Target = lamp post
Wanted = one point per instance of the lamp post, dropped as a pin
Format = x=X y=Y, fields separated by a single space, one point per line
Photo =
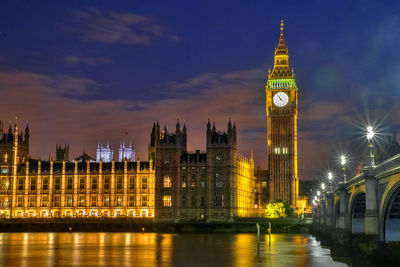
x=370 y=136
x=343 y=163
x=330 y=177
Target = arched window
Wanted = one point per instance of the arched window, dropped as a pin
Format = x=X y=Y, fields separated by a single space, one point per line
x=167 y=181
x=219 y=181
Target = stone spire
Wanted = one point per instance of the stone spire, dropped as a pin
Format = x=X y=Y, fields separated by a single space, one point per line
x=281 y=49
x=178 y=126
x=281 y=62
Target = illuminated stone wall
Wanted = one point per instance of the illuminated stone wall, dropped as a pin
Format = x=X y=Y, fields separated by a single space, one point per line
x=245 y=187
x=212 y=185
x=215 y=185
x=282 y=111
x=50 y=189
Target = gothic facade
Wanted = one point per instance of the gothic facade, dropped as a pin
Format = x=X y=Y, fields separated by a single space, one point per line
x=217 y=184
x=173 y=184
x=282 y=110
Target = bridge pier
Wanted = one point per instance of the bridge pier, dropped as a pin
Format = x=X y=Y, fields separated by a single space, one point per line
x=315 y=214
x=319 y=214
x=371 y=219
x=342 y=220
x=323 y=211
x=329 y=210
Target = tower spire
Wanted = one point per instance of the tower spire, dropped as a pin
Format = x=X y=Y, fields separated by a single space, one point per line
x=281 y=63
x=282 y=127
x=281 y=49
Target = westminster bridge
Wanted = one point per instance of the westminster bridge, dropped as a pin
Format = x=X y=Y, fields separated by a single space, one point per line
x=368 y=203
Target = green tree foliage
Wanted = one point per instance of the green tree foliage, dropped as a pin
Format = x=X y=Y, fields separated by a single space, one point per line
x=278 y=209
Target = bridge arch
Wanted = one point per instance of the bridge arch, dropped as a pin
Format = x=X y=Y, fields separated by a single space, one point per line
x=390 y=213
x=357 y=210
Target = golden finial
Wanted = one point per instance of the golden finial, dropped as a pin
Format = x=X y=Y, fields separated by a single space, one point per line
x=282 y=24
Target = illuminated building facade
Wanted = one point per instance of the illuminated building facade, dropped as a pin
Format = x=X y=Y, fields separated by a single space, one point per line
x=215 y=185
x=281 y=108
x=126 y=152
x=104 y=153
x=8 y=141
x=33 y=188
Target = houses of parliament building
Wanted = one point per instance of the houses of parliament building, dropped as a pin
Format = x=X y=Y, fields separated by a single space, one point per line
x=173 y=184
x=217 y=184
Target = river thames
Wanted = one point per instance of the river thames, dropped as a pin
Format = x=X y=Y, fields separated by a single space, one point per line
x=151 y=249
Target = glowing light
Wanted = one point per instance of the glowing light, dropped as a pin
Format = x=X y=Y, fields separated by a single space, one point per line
x=330 y=176
x=323 y=186
x=318 y=193
x=126 y=151
x=282 y=83
x=370 y=132
x=342 y=160
x=104 y=153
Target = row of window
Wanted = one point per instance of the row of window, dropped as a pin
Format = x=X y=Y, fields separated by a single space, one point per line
x=94 y=201
x=280 y=150
x=94 y=183
x=219 y=201
x=219 y=181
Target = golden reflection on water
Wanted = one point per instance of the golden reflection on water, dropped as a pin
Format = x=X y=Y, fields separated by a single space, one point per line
x=150 y=249
x=285 y=250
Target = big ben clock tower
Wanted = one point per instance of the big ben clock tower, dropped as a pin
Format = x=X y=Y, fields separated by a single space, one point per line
x=281 y=106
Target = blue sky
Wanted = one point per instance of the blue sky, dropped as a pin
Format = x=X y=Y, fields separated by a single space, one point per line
x=84 y=71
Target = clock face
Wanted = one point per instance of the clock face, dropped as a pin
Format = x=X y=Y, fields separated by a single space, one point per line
x=281 y=99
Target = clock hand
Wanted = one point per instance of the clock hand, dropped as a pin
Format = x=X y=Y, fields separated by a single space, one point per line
x=279 y=98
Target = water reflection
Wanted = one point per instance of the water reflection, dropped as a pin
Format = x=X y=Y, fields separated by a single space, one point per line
x=134 y=249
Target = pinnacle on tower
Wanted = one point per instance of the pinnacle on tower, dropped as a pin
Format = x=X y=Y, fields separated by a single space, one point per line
x=184 y=128
x=281 y=49
x=178 y=126
x=281 y=63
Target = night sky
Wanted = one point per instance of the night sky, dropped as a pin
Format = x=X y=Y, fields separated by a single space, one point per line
x=87 y=71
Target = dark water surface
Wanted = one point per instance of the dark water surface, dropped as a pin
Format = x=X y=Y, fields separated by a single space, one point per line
x=134 y=249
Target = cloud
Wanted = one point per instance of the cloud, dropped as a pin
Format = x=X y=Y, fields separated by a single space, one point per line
x=57 y=117
x=88 y=61
x=123 y=28
x=322 y=119
x=23 y=84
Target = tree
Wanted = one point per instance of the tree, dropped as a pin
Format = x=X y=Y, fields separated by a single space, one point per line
x=278 y=209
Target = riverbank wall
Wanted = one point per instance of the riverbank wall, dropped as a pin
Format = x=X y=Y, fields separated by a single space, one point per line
x=364 y=250
x=134 y=225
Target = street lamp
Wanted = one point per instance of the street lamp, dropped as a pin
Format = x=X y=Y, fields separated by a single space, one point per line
x=370 y=136
x=343 y=163
x=330 y=178
x=318 y=193
x=323 y=187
